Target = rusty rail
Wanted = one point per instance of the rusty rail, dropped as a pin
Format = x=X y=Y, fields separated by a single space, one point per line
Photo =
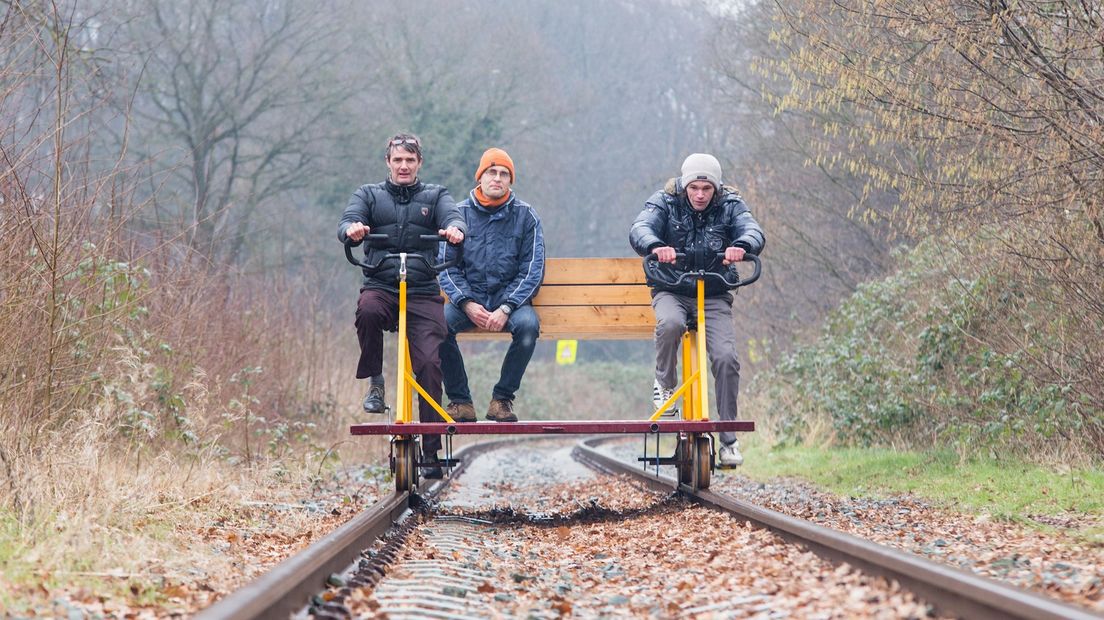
x=288 y=587
x=949 y=590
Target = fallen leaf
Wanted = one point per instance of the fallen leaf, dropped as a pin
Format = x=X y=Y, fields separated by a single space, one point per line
x=175 y=591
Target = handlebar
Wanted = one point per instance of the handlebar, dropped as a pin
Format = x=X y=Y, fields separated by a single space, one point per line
x=372 y=269
x=651 y=264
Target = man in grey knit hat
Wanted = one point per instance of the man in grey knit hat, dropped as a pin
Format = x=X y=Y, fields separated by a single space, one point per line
x=697 y=213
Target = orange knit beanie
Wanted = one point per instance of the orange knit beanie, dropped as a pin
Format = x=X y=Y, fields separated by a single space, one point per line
x=495 y=157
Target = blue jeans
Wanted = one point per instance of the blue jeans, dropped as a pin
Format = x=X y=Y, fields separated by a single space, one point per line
x=522 y=324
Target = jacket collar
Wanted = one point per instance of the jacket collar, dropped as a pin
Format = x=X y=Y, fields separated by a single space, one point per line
x=482 y=209
x=403 y=193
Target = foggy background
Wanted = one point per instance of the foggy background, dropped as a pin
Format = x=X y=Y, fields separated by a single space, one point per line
x=253 y=121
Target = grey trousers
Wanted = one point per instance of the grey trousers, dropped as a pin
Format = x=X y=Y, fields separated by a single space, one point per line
x=671 y=312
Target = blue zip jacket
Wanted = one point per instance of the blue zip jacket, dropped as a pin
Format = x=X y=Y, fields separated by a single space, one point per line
x=503 y=258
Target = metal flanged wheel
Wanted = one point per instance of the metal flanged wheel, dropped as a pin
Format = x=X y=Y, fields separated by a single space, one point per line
x=684 y=456
x=406 y=476
x=703 y=462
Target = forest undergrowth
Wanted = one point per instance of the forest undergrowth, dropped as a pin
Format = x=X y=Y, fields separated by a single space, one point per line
x=962 y=348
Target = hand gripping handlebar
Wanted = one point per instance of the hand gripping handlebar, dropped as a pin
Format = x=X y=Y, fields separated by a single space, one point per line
x=651 y=267
x=372 y=269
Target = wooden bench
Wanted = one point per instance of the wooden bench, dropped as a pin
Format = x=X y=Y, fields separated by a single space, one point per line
x=591 y=298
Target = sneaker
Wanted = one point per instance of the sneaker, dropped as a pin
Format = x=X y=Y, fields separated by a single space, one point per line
x=373 y=400
x=461 y=412
x=729 y=456
x=501 y=410
x=433 y=471
x=661 y=395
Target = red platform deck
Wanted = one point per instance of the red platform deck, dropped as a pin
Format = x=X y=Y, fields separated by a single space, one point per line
x=544 y=427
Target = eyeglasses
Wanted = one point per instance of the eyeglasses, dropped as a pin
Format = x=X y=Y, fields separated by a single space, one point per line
x=498 y=174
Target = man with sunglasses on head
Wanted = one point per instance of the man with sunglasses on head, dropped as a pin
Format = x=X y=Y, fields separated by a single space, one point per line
x=492 y=286
x=696 y=214
x=404 y=208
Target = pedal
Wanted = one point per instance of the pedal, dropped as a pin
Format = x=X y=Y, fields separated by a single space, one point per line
x=450 y=463
x=663 y=460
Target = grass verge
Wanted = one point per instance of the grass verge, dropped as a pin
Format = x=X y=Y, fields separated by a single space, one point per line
x=1008 y=489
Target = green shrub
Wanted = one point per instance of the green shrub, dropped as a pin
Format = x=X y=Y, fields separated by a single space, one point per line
x=948 y=351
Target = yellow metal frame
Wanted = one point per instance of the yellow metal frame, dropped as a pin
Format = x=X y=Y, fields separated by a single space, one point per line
x=694 y=388
x=407 y=384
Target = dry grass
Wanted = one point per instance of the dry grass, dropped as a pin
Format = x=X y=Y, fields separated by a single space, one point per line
x=150 y=538
x=161 y=418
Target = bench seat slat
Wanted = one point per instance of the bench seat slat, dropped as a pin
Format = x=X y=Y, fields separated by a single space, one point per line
x=597 y=319
x=590 y=294
x=593 y=271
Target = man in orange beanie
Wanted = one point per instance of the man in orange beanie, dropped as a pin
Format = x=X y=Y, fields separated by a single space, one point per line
x=493 y=285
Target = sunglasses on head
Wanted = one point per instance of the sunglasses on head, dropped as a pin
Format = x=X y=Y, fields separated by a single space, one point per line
x=402 y=141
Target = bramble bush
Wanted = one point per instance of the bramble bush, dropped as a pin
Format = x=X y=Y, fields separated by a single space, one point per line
x=108 y=355
x=958 y=351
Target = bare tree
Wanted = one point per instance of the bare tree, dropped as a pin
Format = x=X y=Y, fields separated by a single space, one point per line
x=826 y=234
x=232 y=99
x=54 y=300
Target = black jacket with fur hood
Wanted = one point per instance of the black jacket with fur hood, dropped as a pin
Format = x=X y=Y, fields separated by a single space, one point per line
x=668 y=220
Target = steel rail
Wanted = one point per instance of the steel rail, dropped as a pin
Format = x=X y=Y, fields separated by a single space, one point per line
x=288 y=587
x=948 y=589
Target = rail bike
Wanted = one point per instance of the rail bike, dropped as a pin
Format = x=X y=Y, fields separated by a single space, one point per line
x=584 y=298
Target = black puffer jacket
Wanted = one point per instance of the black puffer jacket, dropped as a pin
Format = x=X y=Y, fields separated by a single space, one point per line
x=669 y=220
x=403 y=212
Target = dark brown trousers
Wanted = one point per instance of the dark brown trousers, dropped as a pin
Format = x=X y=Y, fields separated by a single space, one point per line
x=425 y=328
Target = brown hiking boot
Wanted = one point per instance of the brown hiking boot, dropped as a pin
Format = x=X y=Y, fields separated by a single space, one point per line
x=461 y=412
x=501 y=411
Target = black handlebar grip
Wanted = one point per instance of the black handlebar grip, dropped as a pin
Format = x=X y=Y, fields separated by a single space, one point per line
x=349 y=244
x=651 y=260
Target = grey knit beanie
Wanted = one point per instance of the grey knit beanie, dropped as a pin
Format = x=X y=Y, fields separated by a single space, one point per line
x=701 y=167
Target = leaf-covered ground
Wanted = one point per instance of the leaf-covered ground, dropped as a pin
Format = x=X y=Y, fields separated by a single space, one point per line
x=540 y=540
x=1057 y=560
x=629 y=552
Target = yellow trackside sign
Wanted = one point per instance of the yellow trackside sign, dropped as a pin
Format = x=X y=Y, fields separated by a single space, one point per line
x=565 y=351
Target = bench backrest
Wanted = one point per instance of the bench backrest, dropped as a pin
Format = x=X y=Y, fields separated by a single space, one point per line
x=592 y=299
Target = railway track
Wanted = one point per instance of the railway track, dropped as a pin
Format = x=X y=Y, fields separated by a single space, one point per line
x=450 y=577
